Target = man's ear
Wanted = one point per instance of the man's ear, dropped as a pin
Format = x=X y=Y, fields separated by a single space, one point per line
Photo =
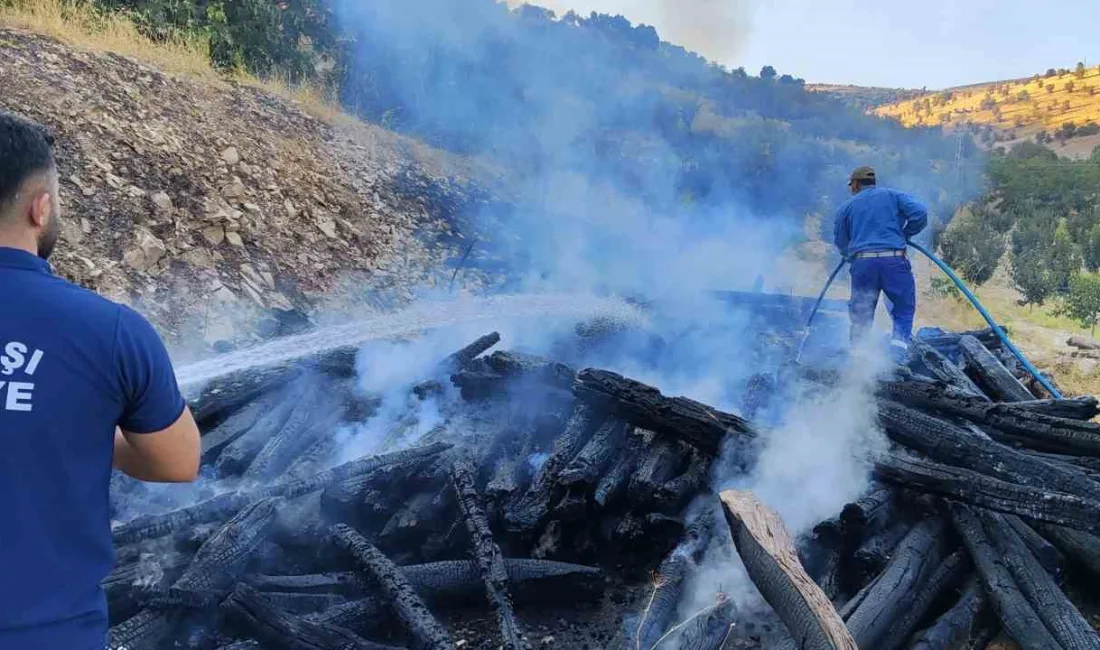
x=41 y=209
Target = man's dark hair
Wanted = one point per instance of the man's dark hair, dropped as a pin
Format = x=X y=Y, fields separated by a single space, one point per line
x=866 y=183
x=26 y=148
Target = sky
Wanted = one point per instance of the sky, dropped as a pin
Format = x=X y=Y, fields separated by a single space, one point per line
x=911 y=44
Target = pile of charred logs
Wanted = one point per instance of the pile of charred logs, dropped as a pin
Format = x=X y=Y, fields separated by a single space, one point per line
x=541 y=485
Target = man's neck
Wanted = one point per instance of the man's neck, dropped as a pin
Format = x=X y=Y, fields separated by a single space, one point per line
x=23 y=243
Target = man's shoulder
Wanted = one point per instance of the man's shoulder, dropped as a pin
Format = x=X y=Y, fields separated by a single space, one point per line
x=76 y=298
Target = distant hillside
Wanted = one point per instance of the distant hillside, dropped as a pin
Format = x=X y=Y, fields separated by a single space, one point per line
x=1060 y=108
x=864 y=97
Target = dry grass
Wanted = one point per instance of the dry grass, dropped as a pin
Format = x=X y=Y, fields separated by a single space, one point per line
x=1007 y=111
x=79 y=24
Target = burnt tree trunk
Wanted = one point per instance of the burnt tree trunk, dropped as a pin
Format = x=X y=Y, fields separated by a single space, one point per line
x=978 y=489
x=1015 y=612
x=944 y=370
x=953 y=629
x=488 y=557
x=644 y=406
x=945 y=578
x=1080 y=546
x=772 y=562
x=425 y=632
x=991 y=373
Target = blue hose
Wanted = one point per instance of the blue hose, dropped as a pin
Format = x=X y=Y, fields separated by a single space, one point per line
x=989 y=319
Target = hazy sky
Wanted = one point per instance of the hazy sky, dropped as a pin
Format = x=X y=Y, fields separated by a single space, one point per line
x=916 y=43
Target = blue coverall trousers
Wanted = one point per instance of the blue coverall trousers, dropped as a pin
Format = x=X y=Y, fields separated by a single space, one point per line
x=892 y=276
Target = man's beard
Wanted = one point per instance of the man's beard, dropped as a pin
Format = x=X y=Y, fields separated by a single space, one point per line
x=48 y=239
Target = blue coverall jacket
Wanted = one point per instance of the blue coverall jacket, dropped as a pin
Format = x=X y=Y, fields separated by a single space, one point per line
x=880 y=219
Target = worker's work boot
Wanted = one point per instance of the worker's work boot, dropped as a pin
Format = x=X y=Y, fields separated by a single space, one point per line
x=899 y=351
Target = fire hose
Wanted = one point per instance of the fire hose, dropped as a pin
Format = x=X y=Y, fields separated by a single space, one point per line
x=1031 y=369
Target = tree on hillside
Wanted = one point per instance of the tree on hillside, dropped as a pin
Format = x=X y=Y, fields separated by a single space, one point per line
x=1030 y=277
x=1070 y=86
x=1023 y=96
x=972 y=246
x=988 y=104
x=767 y=73
x=1080 y=70
x=1092 y=249
x=1051 y=72
x=1064 y=258
x=1082 y=301
x=1050 y=89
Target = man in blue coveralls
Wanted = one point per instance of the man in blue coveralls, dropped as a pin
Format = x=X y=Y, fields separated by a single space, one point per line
x=871 y=231
x=84 y=383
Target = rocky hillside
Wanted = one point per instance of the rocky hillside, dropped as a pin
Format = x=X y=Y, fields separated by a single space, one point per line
x=198 y=201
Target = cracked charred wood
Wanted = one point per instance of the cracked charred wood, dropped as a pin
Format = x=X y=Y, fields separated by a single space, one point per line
x=277 y=628
x=944 y=370
x=948 y=444
x=589 y=464
x=869 y=513
x=283 y=448
x=425 y=514
x=1062 y=619
x=487 y=556
x=363 y=498
x=981 y=490
x=1004 y=422
x=1045 y=553
x=1079 y=546
x=152 y=526
x=660 y=462
x=459 y=359
x=425 y=632
x=303 y=604
x=772 y=563
x=668 y=585
x=228 y=393
x=826 y=555
x=527 y=367
x=224 y=557
x=678 y=417
x=312 y=459
x=232 y=428
x=676 y=492
x=1090 y=466
x=613 y=484
x=1013 y=609
x=1074 y=408
x=124 y=585
x=991 y=374
x=147 y=630
x=361 y=616
x=525 y=514
x=321 y=480
x=954 y=628
x=476 y=385
x=342 y=583
x=895 y=591
x=871 y=557
x=242 y=645
x=945 y=578
x=236 y=456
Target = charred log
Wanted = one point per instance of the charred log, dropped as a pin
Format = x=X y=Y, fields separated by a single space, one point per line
x=645 y=406
x=676 y=492
x=531 y=509
x=945 y=443
x=867 y=514
x=757 y=395
x=459 y=359
x=990 y=373
x=660 y=462
x=587 y=466
x=1089 y=465
x=1044 y=552
x=1064 y=622
x=1080 y=546
x=613 y=484
x=894 y=593
x=303 y=604
x=771 y=561
x=945 y=578
x=1075 y=408
x=1015 y=612
x=531 y=368
x=487 y=556
x=872 y=556
x=952 y=630
x=144 y=631
x=944 y=370
x=236 y=456
x=152 y=526
x=279 y=629
x=978 y=489
x=232 y=428
x=282 y=449
x=424 y=631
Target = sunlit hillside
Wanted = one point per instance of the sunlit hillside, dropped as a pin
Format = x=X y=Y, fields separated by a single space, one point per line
x=1059 y=107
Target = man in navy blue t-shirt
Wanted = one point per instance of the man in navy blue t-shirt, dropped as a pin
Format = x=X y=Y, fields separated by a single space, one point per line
x=85 y=384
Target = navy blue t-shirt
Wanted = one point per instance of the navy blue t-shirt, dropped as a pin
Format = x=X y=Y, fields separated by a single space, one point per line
x=73 y=365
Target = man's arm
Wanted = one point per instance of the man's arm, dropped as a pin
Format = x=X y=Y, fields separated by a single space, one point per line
x=841 y=236
x=168 y=456
x=914 y=212
x=157 y=439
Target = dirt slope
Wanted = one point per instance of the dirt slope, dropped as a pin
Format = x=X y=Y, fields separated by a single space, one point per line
x=190 y=198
